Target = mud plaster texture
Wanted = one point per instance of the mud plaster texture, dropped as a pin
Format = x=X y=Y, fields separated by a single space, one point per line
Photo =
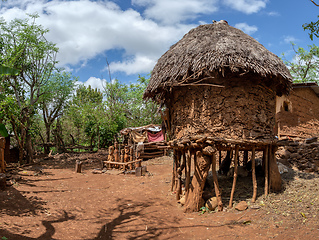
x=240 y=110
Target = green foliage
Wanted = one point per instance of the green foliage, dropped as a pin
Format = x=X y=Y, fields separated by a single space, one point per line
x=305 y=65
x=24 y=47
x=313 y=27
x=3 y=130
x=8 y=71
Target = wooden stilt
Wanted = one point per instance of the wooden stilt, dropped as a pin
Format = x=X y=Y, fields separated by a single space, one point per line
x=187 y=172
x=235 y=177
x=195 y=201
x=216 y=185
x=275 y=182
x=174 y=171
x=245 y=158
x=179 y=177
x=266 y=153
x=253 y=165
x=220 y=159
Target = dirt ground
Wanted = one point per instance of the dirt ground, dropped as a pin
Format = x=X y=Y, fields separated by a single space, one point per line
x=50 y=201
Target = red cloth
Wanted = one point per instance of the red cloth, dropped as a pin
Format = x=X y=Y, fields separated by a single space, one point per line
x=155 y=137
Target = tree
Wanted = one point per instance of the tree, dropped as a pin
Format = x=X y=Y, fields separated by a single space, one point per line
x=57 y=93
x=305 y=65
x=141 y=112
x=313 y=27
x=23 y=46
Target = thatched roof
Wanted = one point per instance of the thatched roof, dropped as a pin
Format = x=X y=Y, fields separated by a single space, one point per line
x=216 y=48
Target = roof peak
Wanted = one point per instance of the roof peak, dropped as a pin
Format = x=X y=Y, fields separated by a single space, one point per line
x=221 y=21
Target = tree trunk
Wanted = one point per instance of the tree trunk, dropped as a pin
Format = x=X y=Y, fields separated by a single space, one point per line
x=29 y=148
x=194 y=199
x=47 y=131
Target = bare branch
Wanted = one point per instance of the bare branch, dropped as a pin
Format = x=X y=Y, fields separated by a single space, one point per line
x=314 y=3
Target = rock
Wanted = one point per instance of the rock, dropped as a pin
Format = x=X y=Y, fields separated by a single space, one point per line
x=282 y=168
x=241 y=172
x=311 y=140
x=211 y=203
x=241 y=206
x=182 y=200
x=96 y=171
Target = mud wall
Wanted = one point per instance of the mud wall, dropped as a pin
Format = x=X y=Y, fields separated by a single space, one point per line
x=239 y=110
x=303 y=106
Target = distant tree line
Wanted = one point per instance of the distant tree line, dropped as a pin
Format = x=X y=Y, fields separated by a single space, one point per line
x=44 y=107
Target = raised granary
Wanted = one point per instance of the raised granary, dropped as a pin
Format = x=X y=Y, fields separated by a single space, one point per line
x=218 y=86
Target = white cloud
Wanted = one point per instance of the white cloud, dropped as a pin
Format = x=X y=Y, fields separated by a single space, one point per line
x=290 y=39
x=273 y=14
x=95 y=83
x=246 y=28
x=132 y=66
x=84 y=29
x=176 y=11
x=246 y=6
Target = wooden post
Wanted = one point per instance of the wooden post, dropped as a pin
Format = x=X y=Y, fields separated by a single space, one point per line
x=178 y=176
x=253 y=165
x=173 y=170
x=202 y=166
x=216 y=186
x=234 y=178
x=266 y=153
x=187 y=172
x=274 y=175
x=78 y=166
x=245 y=158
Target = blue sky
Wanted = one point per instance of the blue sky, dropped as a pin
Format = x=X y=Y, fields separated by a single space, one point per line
x=133 y=34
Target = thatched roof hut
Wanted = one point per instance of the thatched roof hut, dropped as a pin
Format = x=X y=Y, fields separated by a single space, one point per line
x=216 y=49
x=219 y=87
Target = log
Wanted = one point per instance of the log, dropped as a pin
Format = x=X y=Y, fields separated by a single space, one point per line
x=266 y=151
x=253 y=165
x=216 y=185
x=202 y=165
x=234 y=178
x=78 y=166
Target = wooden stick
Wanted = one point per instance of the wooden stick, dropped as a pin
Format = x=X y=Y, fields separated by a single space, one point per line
x=253 y=165
x=235 y=177
x=216 y=185
x=187 y=172
x=266 y=152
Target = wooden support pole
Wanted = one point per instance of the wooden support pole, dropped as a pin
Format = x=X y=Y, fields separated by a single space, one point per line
x=178 y=176
x=187 y=172
x=253 y=165
x=202 y=165
x=220 y=159
x=274 y=175
x=266 y=153
x=234 y=178
x=174 y=171
x=216 y=185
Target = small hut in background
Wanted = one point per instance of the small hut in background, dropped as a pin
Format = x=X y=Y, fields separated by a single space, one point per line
x=219 y=88
x=150 y=140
